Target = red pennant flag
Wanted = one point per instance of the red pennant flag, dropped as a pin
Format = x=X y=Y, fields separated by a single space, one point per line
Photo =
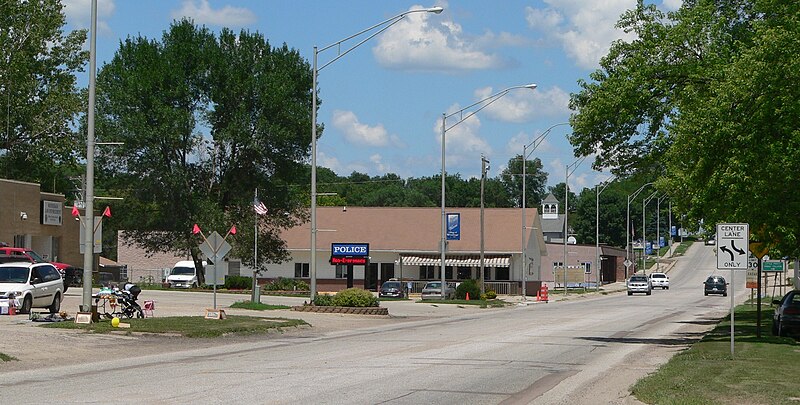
x=107 y=212
x=75 y=212
x=195 y=229
x=233 y=230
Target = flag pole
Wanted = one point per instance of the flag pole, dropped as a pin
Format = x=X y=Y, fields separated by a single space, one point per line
x=255 y=248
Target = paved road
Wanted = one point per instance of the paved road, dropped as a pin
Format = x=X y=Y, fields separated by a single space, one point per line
x=580 y=350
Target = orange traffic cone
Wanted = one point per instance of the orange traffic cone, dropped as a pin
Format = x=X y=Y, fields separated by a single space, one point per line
x=12 y=309
x=467 y=296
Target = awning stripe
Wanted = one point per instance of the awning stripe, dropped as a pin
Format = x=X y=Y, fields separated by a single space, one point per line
x=464 y=261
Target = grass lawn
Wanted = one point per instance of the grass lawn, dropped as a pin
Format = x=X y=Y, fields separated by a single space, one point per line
x=763 y=370
x=189 y=326
x=257 y=306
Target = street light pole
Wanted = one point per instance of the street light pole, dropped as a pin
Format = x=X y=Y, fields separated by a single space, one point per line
x=574 y=165
x=536 y=142
x=598 y=189
x=658 y=228
x=380 y=27
x=88 y=225
x=484 y=169
x=481 y=104
x=628 y=226
x=644 y=231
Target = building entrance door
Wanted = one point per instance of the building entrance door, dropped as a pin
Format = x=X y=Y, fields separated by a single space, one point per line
x=371 y=277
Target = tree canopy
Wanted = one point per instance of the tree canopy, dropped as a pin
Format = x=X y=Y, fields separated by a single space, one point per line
x=205 y=120
x=39 y=97
x=704 y=101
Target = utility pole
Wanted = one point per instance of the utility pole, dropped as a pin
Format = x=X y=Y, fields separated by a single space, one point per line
x=484 y=169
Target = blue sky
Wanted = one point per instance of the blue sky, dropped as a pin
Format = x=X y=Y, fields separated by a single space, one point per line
x=382 y=103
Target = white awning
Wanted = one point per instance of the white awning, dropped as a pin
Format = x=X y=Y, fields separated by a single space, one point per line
x=462 y=261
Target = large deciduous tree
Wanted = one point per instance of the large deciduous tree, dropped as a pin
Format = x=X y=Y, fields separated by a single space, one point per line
x=39 y=98
x=705 y=99
x=205 y=120
x=535 y=181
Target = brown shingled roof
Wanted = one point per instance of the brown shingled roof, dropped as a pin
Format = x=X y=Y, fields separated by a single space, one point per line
x=413 y=229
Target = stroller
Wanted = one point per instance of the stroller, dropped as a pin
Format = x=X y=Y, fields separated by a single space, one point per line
x=123 y=302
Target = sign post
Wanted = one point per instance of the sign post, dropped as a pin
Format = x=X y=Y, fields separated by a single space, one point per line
x=733 y=241
x=215 y=247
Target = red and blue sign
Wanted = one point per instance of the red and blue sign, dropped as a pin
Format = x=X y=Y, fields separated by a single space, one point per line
x=349 y=253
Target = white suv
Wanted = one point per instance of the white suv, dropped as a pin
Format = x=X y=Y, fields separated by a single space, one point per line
x=659 y=280
x=32 y=285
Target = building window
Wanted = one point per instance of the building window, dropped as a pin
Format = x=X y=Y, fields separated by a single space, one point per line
x=426 y=272
x=587 y=267
x=464 y=273
x=501 y=273
x=448 y=272
x=387 y=271
x=557 y=265
x=341 y=271
x=301 y=270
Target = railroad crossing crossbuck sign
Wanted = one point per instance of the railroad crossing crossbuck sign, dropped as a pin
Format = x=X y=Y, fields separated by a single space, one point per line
x=733 y=241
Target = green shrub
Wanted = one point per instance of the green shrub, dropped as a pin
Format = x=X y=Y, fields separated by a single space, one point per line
x=238 y=282
x=468 y=286
x=491 y=294
x=286 y=284
x=355 y=297
x=323 y=300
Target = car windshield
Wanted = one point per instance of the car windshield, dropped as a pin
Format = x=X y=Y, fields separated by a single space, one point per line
x=434 y=285
x=659 y=276
x=182 y=271
x=35 y=256
x=715 y=280
x=391 y=284
x=14 y=274
x=638 y=279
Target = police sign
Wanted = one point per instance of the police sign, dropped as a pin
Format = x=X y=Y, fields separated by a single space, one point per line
x=350 y=249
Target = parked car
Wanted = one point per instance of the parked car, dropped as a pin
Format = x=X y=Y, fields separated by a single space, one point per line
x=710 y=241
x=639 y=283
x=659 y=280
x=183 y=275
x=31 y=285
x=715 y=285
x=786 y=319
x=27 y=255
x=433 y=291
x=391 y=289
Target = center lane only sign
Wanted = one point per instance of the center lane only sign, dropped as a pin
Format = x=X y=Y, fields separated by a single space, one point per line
x=732 y=246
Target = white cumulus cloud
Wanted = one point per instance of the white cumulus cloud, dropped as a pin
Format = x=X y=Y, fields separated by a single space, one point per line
x=79 y=14
x=523 y=105
x=585 y=30
x=361 y=134
x=201 y=12
x=463 y=143
x=426 y=41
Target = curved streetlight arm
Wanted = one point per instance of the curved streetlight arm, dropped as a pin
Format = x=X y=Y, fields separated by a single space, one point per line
x=385 y=24
x=539 y=139
x=486 y=102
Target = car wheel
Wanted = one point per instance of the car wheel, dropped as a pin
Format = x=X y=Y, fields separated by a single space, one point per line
x=724 y=294
x=706 y=293
x=27 y=303
x=781 y=332
x=648 y=292
x=630 y=293
x=775 y=331
x=66 y=286
x=56 y=305
x=194 y=285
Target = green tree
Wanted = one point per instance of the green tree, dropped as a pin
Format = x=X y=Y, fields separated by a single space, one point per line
x=704 y=100
x=39 y=97
x=535 y=181
x=205 y=121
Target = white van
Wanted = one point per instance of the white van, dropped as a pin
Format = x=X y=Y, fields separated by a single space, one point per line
x=183 y=275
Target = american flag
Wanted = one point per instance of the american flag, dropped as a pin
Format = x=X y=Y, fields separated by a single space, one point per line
x=259 y=207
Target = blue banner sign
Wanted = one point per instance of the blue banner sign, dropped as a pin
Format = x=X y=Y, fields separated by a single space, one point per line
x=648 y=248
x=453 y=226
x=662 y=242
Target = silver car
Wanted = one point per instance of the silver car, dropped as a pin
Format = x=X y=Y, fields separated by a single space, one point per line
x=639 y=283
x=433 y=291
